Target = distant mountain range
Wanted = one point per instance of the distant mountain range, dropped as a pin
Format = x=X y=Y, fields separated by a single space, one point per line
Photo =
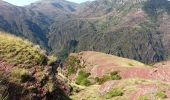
x=136 y=29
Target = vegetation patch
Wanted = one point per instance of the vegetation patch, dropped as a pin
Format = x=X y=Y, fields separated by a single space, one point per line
x=20 y=75
x=103 y=79
x=114 y=93
x=161 y=94
x=20 y=52
x=82 y=79
x=52 y=59
x=73 y=64
x=143 y=98
x=113 y=76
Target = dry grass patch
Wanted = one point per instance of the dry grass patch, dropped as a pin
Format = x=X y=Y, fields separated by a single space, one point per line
x=20 y=52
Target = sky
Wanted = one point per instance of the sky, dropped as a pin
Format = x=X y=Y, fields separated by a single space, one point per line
x=26 y=2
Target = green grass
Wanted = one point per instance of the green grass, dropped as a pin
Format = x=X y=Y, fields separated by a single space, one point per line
x=26 y=64
x=114 y=93
x=20 y=52
x=103 y=79
x=73 y=64
x=82 y=79
x=161 y=94
x=113 y=76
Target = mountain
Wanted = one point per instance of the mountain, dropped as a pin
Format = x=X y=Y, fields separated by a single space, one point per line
x=32 y=22
x=24 y=22
x=120 y=27
x=135 y=29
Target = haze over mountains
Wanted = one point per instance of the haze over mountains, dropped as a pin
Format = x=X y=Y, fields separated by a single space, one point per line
x=136 y=29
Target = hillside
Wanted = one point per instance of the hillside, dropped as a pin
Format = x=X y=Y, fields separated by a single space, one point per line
x=135 y=29
x=24 y=22
x=106 y=49
x=124 y=28
x=26 y=72
x=33 y=22
x=101 y=76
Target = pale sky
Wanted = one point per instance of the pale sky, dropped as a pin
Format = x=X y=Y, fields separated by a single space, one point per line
x=26 y=2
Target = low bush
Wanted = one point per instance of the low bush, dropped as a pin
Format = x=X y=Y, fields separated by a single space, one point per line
x=82 y=79
x=102 y=80
x=20 y=75
x=161 y=94
x=73 y=64
x=113 y=76
x=51 y=59
x=115 y=92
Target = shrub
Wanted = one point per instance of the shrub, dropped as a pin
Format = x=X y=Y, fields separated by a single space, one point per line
x=161 y=94
x=82 y=78
x=115 y=92
x=20 y=74
x=115 y=76
x=71 y=70
x=25 y=77
x=103 y=79
x=72 y=65
x=51 y=59
x=51 y=86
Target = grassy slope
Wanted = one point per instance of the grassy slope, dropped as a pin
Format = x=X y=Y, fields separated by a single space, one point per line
x=20 y=52
x=25 y=68
x=102 y=58
x=134 y=88
x=131 y=89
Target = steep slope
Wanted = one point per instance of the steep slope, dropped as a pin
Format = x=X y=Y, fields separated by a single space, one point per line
x=120 y=27
x=24 y=22
x=101 y=76
x=33 y=21
x=25 y=73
